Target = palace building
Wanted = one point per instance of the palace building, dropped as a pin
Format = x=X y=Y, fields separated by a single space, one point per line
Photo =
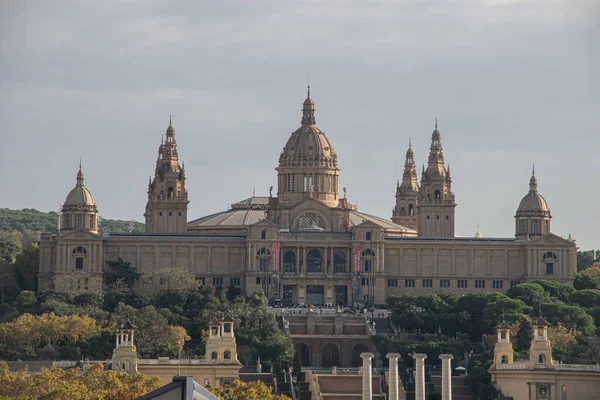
x=307 y=243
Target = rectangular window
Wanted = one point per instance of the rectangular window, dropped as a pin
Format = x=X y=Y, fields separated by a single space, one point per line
x=367 y=265
x=234 y=281
x=427 y=282
x=497 y=284
x=201 y=279
x=217 y=281
x=79 y=263
x=79 y=221
x=409 y=283
x=258 y=280
x=514 y=283
x=364 y=281
x=480 y=284
x=392 y=282
x=462 y=283
x=444 y=283
x=549 y=269
x=339 y=268
x=180 y=213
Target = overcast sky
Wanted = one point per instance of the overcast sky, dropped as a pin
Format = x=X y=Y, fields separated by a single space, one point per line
x=513 y=83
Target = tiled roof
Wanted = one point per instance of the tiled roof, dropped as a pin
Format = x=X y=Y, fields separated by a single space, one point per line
x=231 y=218
x=357 y=218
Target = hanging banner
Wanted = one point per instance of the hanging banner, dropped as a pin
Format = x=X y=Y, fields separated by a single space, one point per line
x=357 y=257
x=275 y=252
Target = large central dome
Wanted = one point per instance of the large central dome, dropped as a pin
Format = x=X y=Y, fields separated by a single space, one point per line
x=308 y=145
x=308 y=166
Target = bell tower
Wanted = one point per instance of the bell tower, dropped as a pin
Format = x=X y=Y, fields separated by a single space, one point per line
x=166 y=209
x=503 y=351
x=124 y=357
x=540 y=351
x=407 y=193
x=436 y=200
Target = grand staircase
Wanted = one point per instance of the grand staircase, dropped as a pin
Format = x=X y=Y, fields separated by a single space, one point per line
x=346 y=387
x=460 y=390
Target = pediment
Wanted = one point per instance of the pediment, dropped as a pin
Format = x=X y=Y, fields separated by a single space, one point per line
x=550 y=239
x=367 y=225
x=79 y=234
x=311 y=204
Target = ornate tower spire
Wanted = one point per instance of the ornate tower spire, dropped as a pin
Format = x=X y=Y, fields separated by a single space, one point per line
x=166 y=209
x=308 y=110
x=405 y=211
x=533 y=182
x=436 y=200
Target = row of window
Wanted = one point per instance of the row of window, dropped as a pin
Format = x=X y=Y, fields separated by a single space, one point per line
x=310 y=182
x=438 y=217
x=170 y=213
x=445 y=283
x=218 y=281
x=535 y=227
x=78 y=221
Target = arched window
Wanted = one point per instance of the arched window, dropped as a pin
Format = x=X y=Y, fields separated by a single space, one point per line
x=368 y=236
x=227 y=355
x=368 y=256
x=263 y=235
x=437 y=195
x=314 y=261
x=310 y=221
x=339 y=262
x=428 y=197
x=411 y=209
x=213 y=355
x=542 y=359
x=504 y=360
x=263 y=256
x=170 y=192
x=289 y=261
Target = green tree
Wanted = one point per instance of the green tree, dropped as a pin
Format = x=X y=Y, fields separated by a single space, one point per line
x=27 y=265
x=154 y=335
x=586 y=258
x=586 y=298
x=531 y=294
x=122 y=272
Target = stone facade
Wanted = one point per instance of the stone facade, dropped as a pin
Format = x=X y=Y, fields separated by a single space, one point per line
x=308 y=243
x=540 y=377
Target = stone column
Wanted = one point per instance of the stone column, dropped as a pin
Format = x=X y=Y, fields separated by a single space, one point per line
x=419 y=375
x=367 y=381
x=393 y=376
x=446 y=376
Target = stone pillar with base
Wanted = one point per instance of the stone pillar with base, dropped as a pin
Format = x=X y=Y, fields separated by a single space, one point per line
x=393 y=376
x=419 y=375
x=446 y=376
x=367 y=381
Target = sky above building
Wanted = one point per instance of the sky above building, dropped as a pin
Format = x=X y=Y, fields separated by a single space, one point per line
x=513 y=83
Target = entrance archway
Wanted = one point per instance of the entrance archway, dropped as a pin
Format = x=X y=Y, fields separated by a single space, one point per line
x=330 y=356
x=356 y=351
x=303 y=353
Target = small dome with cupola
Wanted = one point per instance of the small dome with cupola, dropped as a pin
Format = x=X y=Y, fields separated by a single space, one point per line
x=79 y=209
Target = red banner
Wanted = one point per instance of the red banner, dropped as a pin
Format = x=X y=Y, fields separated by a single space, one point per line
x=357 y=257
x=275 y=252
